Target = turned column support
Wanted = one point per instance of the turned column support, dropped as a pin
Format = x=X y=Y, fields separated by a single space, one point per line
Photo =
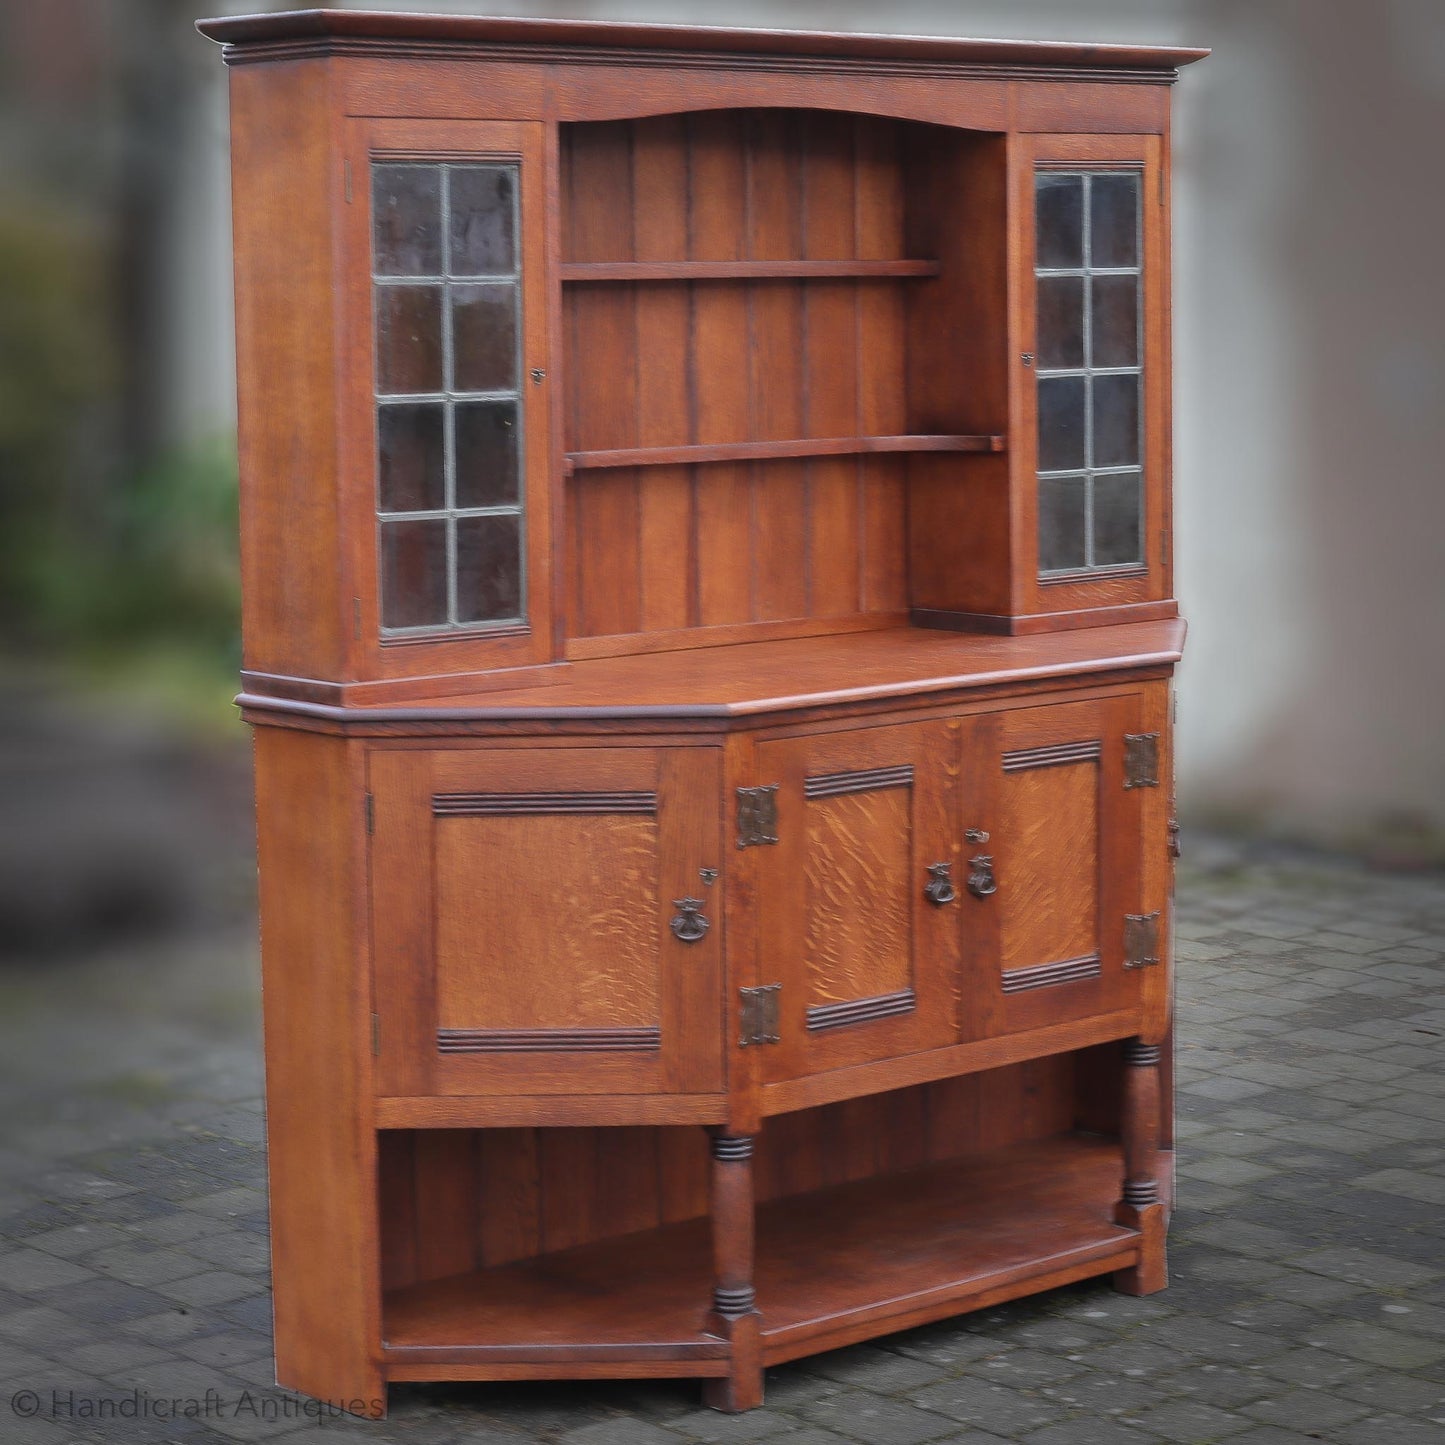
x=734 y=1314
x=1140 y=1205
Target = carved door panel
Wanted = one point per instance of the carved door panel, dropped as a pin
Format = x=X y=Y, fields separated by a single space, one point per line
x=865 y=960
x=1052 y=867
x=541 y=922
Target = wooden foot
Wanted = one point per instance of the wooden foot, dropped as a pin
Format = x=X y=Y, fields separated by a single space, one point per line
x=1141 y=1206
x=742 y=1387
x=734 y=1316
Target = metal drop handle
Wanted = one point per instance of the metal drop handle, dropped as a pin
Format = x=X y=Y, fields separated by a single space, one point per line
x=939 y=889
x=981 y=881
x=689 y=923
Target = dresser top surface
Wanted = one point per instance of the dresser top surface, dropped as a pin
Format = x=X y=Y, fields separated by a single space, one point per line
x=788 y=676
x=382 y=26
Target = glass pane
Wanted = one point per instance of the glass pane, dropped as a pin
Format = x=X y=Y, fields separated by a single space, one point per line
x=486 y=453
x=411 y=458
x=1116 y=421
x=484 y=337
x=408 y=339
x=1061 y=523
x=406 y=220
x=1114 y=220
x=413 y=573
x=489 y=568
x=1114 y=326
x=1117 y=531
x=482 y=226
x=1061 y=423
x=1061 y=322
x=1059 y=217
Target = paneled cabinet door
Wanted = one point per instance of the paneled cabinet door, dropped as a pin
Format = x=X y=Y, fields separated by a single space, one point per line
x=541 y=922
x=858 y=907
x=1052 y=866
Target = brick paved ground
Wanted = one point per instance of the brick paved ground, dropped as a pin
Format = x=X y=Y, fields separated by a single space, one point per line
x=1308 y=1300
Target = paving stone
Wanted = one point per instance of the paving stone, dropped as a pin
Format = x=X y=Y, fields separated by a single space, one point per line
x=1190 y=1421
x=1358 y=1266
x=1378 y=1345
x=988 y=1406
x=876 y=1420
x=875 y=1369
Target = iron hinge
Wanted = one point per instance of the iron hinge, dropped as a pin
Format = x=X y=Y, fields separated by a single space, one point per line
x=346 y=173
x=370 y=814
x=1141 y=940
x=759 y=1024
x=376 y=1035
x=1141 y=760
x=757 y=816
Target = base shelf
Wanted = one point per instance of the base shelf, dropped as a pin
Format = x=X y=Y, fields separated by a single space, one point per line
x=833 y=1266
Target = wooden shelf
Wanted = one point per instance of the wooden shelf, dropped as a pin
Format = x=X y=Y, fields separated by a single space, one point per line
x=573 y=271
x=833 y=1266
x=778 y=450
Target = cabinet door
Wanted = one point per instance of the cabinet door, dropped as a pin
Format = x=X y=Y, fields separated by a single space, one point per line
x=865 y=962
x=1051 y=888
x=523 y=911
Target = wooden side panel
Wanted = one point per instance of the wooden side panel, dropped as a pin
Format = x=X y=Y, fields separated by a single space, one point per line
x=882 y=367
x=322 y=1150
x=959 y=541
x=287 y=330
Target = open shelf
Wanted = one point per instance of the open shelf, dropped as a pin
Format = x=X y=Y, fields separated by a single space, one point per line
x=778 y=450
x=833 y=1266
x=743 y=270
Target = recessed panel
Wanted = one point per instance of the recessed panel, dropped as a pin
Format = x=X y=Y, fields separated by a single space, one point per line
x=859 y=895
x=1047 y=862
x=547 y=922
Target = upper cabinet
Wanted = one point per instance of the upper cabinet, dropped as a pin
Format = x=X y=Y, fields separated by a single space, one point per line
x=576 y=352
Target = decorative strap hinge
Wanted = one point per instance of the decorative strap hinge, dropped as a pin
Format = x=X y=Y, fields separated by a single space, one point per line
x=370 y=813
x=757 y=816
x=759 y=1014
x=1141 y=940
x=1141 y=760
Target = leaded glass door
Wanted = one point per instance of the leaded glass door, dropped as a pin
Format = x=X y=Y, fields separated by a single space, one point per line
x=448 y=358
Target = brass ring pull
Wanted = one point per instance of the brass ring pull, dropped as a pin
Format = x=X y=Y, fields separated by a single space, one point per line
x=689 y=923
x=939 y=889
x=981 y=881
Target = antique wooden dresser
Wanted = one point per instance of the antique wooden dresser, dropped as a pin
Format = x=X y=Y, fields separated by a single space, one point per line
x=708 y=629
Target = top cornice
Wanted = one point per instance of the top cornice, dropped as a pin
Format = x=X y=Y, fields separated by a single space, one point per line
x=290 y=33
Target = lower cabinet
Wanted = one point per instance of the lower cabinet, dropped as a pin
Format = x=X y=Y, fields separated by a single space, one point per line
x=853 y=953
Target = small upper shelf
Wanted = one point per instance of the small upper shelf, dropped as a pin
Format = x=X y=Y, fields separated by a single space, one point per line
x=778 y=450
x=742 y=270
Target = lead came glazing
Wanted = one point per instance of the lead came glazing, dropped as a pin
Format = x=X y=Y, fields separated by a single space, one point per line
x=1090 y=382
x=448 y=395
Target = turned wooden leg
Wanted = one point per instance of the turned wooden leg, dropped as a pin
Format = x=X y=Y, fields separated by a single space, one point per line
x=1142 y=1207
x=734 y=1314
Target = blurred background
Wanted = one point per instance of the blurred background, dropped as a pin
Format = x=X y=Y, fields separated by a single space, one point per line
x=1310 y=432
